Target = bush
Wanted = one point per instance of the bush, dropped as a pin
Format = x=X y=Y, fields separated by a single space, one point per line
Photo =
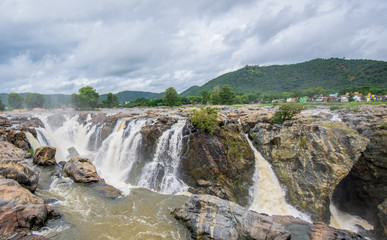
x=205 y=119
x=286 y=112
x=383 y=125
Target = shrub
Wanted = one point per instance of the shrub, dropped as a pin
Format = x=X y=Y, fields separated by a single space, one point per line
x=383 y=125
x=205 y=119
x=286 y=112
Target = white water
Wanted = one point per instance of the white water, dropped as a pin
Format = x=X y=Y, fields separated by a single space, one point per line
x=118 y=152
x=268 y=195
x=165 y=162
x=347 y=221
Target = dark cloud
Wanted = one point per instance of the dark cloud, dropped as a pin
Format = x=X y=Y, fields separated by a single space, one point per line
x=59 y=46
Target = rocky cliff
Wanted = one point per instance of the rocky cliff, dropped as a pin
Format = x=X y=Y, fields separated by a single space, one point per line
x=220 y=164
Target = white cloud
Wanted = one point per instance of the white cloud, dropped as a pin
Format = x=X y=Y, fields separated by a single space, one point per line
x=59 y=46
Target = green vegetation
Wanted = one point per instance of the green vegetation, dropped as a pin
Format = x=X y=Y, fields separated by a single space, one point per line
x=383 y=125
x=303 y=142
x=171 y=97
x=226 y=96
x=34 y=100
x=286 y=112
x=2 y=105
x=333 y=74
x=86 y=99
x=15 y=101
x=205 y=119
x=111 y=101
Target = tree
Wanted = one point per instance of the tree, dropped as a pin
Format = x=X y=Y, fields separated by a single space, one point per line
x=171 y=97
x=2 y=106
x=34 y=100
x=15 y=101
x=205 y=96
x=226 y=95
x=111 y=101
x=86 y=99
x=205 y=119
x=287 y=111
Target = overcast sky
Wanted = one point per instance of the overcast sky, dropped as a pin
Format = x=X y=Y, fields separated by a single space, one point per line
x=55 y=46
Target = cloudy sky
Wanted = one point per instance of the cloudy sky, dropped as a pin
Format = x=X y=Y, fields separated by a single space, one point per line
x=58 y=46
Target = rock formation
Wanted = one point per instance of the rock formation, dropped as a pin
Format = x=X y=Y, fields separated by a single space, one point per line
x=220 y=164
x=209 y=217
x=45 y=156
x=82 y=170
x=21 y=211
x=310 y=157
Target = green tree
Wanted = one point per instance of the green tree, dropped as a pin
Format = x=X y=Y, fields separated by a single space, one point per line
x=2 y=106
x=226 y=95
x=34 y=100
x=111 y=101
x=15 y=101
x=171 y=97
x=205 y=96
x=286 y=112
x=86 y=99
x=205 y=119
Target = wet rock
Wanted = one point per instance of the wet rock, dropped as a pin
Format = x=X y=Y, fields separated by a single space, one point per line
x=32 y=123
x=209 y=217
x=151 y=133
x=20 y=172
x=11 y=152
x=81 y=170
x=106 y=190
x=19 y=139
x=33 y=237
x=45 y=156
x=20 y=210
x=4 y=122
x=310 y=159
x=220 y=164
x=381 y=224
x=72 y=152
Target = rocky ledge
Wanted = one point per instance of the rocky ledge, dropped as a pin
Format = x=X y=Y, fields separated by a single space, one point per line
x=20 y=210
x=209 y=217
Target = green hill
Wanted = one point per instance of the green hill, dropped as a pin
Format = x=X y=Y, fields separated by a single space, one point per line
x=333 y=74
x=127 y=96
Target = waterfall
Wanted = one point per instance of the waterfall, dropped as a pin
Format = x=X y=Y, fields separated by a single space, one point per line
x=33 y=141
x=115 y=158
x=344 y=220
x=161 y=173
x=267 y=194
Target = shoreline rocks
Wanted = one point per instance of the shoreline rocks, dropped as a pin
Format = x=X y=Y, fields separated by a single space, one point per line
x=45 y=156
x=209 y=217
x=82 y=170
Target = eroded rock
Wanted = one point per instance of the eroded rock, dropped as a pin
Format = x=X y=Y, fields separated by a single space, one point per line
x=20 y=172
x=45 y=156
x=82 y=170
x=20 y=210
x=220 y=164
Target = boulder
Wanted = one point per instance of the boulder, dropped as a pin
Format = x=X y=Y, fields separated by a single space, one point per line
x=309 y=158
x=220 y=164
x=11 y=152
x=4 y=122
x=32 y=123
x=106 y=190
x=20 y=172
x=19 y=139
x=209 y=217
x=20 y=210
x=45 y=156
x=381 y=225
x=82 y=170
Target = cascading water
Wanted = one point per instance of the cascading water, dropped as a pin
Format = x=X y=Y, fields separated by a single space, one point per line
x=161 y=173
x=119 y=151
x=268 y=195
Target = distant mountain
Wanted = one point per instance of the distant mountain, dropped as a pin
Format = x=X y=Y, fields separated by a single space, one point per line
x=334 y=74
x=127 y=96
x=190 y=91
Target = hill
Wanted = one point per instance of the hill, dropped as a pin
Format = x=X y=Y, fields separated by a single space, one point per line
x=127 y=96
x=333 y=74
